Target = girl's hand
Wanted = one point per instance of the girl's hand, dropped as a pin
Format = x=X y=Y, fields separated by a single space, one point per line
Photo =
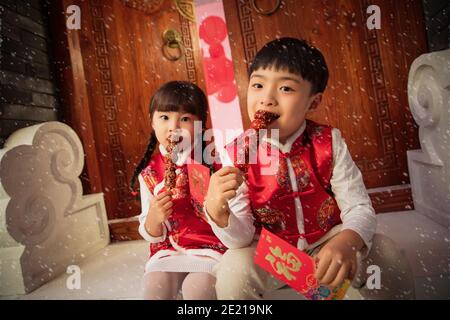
x=160 y=209
x=222 y=187
x=336 y=261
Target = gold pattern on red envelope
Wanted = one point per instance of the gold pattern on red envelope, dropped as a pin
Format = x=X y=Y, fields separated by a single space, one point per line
x=284 y=262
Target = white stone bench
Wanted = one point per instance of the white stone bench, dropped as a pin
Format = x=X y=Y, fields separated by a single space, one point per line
x=115 y=272
x=46 y=224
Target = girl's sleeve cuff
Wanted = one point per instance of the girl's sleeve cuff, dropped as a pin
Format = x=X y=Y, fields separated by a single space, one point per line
x=143 y=232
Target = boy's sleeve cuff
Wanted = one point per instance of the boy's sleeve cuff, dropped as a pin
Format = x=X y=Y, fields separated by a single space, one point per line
x=214 y=225
x=233 y=236
x=364 y=252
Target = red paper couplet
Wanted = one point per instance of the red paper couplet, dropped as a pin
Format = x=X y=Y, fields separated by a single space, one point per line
x=219 y=71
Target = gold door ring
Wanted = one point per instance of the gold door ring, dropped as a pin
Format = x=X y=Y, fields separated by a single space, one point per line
x=265 y=12
x=172 y=40
x=173 y=45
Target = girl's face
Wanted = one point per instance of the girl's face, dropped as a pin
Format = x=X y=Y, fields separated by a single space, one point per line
x=170 y=124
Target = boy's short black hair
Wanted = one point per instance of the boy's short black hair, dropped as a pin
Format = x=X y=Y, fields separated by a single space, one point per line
x=298 y=57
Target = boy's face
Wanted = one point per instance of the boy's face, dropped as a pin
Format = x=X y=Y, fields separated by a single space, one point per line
x=283 y=93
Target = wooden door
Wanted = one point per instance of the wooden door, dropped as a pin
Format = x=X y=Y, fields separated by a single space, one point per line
x=115 y=63
x=122 y=63
x=366 y=97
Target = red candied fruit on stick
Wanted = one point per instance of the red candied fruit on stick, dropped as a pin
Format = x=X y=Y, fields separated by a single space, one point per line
x=169 y=167
x=262 y=119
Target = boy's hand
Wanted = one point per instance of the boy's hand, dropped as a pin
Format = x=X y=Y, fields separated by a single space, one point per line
x=336 y=261
x=222 y=187
x=160 y=209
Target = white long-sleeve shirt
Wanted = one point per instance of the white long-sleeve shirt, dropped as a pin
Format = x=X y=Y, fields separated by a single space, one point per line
x=357 y=213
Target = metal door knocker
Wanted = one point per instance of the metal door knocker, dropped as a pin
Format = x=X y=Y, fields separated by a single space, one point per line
x=173 y=45
x=266 y=12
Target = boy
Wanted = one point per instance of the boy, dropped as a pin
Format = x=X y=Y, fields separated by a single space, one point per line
x=316 y=201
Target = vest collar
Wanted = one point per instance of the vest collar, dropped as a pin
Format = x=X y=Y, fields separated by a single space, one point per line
x=287 y=146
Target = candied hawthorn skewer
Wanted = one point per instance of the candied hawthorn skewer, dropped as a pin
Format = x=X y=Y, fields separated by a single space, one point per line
x=170 y=167
x=262 y=120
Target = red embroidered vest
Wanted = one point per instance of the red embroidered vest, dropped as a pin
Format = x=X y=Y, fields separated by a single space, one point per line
x=272 y=196
x=189 y=226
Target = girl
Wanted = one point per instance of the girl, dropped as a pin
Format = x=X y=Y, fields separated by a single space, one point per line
x=183 y=247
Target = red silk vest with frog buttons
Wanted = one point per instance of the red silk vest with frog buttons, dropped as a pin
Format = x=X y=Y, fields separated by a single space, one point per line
x=189 y=226
x=272 y=196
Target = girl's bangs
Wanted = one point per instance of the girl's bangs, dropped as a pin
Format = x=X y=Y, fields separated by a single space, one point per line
x=184 y=108
x=179 y=96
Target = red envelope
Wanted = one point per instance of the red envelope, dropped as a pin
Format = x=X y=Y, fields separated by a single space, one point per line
x=284 y=261
x=199 y=176
x=293 y=267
